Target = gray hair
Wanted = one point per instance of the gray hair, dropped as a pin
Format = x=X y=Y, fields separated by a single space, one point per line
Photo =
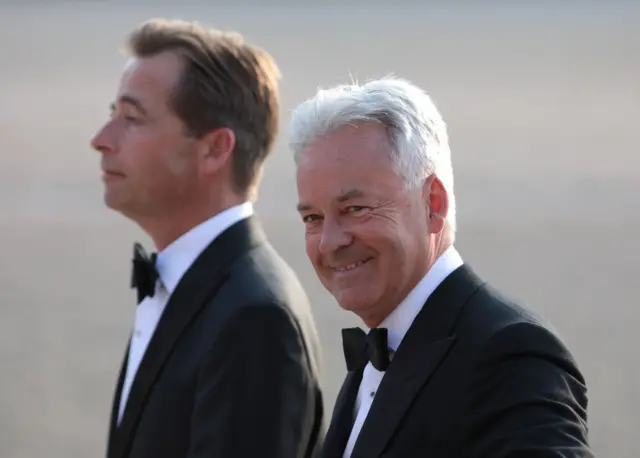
x=417 y=132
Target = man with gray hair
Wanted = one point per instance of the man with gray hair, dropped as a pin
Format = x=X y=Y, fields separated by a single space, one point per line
x=449 y=367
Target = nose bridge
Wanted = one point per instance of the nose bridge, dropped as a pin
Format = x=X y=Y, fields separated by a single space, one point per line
x=334 y=235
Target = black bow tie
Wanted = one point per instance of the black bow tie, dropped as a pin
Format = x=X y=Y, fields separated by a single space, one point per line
x=144 y=273
x=360 y=348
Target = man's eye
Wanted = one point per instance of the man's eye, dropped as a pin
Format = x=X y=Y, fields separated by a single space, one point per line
x=310 y=218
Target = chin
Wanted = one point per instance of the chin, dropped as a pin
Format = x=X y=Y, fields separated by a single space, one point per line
x=108 y=201
x=352 y=301
x=112 y=203
x=117 y=205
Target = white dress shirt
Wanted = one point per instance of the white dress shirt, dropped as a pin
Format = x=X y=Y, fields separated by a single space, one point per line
x=172 y=263
x=397 y=324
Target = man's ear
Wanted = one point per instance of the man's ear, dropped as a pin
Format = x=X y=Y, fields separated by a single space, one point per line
x=216 y=148
x=437 y=202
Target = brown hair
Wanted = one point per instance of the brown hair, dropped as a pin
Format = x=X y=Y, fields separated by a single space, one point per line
x=226 y=83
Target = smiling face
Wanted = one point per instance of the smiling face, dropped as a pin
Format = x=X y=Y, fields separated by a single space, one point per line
x=367 y=236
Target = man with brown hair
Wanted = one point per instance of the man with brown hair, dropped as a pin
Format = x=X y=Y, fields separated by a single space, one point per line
x=223 y=358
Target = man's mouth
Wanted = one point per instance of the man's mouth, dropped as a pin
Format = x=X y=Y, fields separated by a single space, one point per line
x=352 y=266
x=111 y=174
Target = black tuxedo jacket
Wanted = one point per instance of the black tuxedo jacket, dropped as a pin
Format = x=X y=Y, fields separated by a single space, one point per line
x=475 y=376
x=232 y=368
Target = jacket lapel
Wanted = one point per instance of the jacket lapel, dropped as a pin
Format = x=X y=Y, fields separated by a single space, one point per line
x=421 y=351
x=198 y=285
x=115 y=407
x=342 y=420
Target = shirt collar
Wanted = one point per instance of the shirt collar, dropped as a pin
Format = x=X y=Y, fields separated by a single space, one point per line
x=176 y=258
x=401 y=319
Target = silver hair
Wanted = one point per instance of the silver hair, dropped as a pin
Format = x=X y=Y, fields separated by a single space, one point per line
x=417 y=132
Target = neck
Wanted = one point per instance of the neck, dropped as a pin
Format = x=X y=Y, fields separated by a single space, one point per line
x=167 y=228
x=438 y=245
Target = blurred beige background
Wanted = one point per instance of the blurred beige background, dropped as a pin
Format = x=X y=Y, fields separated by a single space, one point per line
x=541 y=103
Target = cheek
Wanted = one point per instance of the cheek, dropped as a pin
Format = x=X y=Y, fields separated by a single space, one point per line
x=141 y=151
x=384 y=241
x=311 y=247
x=179 y=166
x=175 y=161
x=374 y=235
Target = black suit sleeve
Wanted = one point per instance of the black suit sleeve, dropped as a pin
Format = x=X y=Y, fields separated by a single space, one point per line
x=255 y=396
x=528 y=399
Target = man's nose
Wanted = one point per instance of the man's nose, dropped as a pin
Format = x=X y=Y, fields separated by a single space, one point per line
x=103 y=141
x=333 y=237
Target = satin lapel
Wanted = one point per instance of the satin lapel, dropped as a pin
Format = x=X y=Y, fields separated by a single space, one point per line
x=199 y=284
x=115 y=407
x=342 y=419
x=418 y=357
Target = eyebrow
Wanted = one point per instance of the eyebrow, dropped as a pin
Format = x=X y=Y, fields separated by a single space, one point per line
x=344 y=197
x=350 y=194
x=129 y=100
